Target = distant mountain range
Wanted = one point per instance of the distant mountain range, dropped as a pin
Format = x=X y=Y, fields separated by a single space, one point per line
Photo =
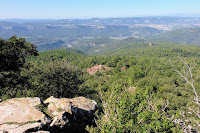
x=50 y=34
x=112 y=21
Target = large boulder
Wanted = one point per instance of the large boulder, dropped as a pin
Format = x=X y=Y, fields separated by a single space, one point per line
x=20 y=114
x=67 y=104
x=71 y=112
x=20 y=128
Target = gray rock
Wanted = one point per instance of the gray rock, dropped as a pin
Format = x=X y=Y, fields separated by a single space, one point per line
x=18 y=128
x=79 y=108
x=20 y=114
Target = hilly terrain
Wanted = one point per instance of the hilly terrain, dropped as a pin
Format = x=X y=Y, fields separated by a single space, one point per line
x=55 y=34
x=156 y=49
x=100 y=66
x=134 y=47
x=139 y=85
x=182 y=36
x=50 y=34
x=137 y=69
x=102 y=45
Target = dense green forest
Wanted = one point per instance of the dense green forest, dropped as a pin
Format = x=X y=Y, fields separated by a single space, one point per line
x=134 y=47
x=102 y=45
x=140 y=92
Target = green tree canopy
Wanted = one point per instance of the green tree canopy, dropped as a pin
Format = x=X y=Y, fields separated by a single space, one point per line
x=13 y=53
x=12 y=58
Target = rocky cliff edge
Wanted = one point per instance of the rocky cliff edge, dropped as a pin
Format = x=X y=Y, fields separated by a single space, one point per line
x=20 y=115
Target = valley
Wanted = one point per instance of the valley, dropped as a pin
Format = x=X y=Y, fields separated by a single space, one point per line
x=50 y=34
x=142 y=73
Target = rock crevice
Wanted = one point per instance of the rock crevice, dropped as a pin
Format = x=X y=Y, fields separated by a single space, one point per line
x=20 y=115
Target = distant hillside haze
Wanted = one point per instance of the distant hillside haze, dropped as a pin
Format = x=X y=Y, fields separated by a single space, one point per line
x=51 y=33
x=182 y=36
x=102 y=45
x=112 y=21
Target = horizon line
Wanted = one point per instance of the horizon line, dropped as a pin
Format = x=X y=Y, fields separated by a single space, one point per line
x=97 y=17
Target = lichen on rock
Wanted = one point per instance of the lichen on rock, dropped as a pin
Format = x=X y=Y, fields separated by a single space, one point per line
x=20 y=115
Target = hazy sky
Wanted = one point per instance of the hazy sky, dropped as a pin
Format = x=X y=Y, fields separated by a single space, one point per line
x=56 y=9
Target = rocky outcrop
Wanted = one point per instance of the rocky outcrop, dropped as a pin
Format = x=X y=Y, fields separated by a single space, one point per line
x=20 y=110
x=20 y=115
x=19 y=127
x=75 y=112
x=98 y=68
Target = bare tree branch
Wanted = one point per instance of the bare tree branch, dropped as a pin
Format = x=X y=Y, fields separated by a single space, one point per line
x=194 y=112
x=186 y=74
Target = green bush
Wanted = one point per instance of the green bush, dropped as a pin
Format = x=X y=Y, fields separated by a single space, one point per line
x=132 y=112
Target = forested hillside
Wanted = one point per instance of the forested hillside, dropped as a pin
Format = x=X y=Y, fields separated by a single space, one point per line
x=102 y=45
x=134 y=47
x=182 y=36
x=156 y=49
x=139 y=92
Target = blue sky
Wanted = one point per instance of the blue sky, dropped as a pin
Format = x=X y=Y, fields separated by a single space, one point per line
x=57 y=9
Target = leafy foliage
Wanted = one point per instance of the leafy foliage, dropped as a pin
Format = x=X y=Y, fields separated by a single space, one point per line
x=12 y=54
x=18 y=78
x=58 y=79
x=132 y=112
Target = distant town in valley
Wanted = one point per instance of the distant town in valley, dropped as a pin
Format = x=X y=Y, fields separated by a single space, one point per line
x=50 y=33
